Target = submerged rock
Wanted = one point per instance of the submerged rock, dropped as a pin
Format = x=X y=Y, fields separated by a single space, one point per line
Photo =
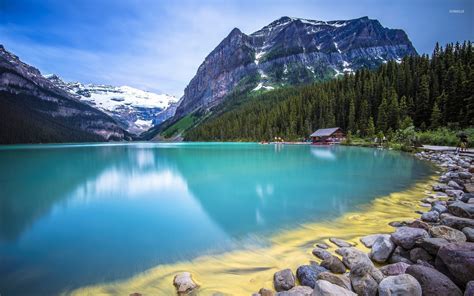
x=340 y=243
x=265 y=292
x=284 y=280
x=321 y=253
x=325 y=288
x=406 y=237
x=322 y=245
x=433 y=282
x=403 y=284
x=184 y=283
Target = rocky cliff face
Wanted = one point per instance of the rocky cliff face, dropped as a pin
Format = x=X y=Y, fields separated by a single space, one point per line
x=291 y=51
x=135 y=110
x=35 y=110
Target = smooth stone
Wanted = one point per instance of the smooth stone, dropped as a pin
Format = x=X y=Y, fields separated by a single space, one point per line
x=456 y=222
x=439 y=208
x=284 y=280
x=469 y=187
x=362 y=280
x=352 y=256
x=455 y=193
x=457 y=261
x=369 y=240
x=325 y=288
x=441 y=187
x=420 y=254
x=382 y=248
x=425 y=205
x=396 y=224
x=461 y=209
x=466 y=197
x=394 y=269
x=455 y=185
x=432 y=244
x=433 y=282
x=424 y=263
x=419 y=224
x=341 y=280
x=340 y=243
x=307 y=274
x=450 y=234
x=334 y=264
x=469 y=233
x=297 y=291
x=469 y=289
x=265 y=292
x=321 y=253
x=403 y=284
x=431 y=216
x=465 y=175
x=184 y=282
x=407 y=237
x=322 y=245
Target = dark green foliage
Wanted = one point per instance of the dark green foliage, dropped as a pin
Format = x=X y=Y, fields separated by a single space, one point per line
x=393 y=96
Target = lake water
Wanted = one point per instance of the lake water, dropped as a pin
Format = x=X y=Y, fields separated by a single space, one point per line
x=75 y=215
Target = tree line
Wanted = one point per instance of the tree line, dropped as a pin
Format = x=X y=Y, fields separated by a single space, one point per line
x=423 y=91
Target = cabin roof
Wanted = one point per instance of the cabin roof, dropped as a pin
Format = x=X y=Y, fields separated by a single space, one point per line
x=324 y=132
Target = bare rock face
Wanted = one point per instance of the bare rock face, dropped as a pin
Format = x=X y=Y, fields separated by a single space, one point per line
x=433 y=282
x=403 y=284
x=184 y=283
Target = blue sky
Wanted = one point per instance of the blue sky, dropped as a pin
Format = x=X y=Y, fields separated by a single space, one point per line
x=158 y=45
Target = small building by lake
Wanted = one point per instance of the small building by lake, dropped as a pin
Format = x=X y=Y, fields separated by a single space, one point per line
x=327 y=136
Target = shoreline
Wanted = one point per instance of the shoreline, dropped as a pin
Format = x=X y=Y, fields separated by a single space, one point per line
x=244 y=272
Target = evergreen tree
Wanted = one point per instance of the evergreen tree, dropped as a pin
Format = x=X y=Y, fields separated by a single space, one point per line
x=436 y=117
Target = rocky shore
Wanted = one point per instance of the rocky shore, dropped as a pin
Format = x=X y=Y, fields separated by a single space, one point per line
x=432 y=255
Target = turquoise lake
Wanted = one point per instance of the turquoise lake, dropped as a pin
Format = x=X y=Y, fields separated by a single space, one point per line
x=75 y=215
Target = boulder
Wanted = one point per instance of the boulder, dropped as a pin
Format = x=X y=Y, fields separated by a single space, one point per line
x=450 y=234
x=297 y=291
x=325 y=288
x=432 y=244
x=456 y=222
x=455 y=193
x=466 y=197
x=461 y=209
x=341 y=280
x=307 y=274
x=419 y=224
x=469 y=233
x=369 y=240
x=394 y=269
x=403 y=284
x=400 y=255
x=433 y=282
x=439 y=208
x=469 y=289
x=352 y=256
x=321 y=253
x=455 y=185
x=420 y=254
x=431 y=216
x=382 y=249
x=441 y=187
x=184 y=283
x=406 y=237
x=457 y=261
x=334 y=264
x=284 y=280
x=469 y=187
x=362 y=280
x=340 y=243
x=465 y=175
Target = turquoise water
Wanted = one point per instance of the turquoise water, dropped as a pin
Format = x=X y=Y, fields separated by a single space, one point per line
x=73 y=215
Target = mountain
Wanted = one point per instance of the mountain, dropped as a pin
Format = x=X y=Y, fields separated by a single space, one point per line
x=135 y=110
x=34 y=110
x=290 y=51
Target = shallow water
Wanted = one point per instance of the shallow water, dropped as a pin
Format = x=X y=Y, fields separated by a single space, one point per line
x=75 y=215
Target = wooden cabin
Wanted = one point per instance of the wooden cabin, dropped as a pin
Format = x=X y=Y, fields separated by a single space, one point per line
x=327 y=136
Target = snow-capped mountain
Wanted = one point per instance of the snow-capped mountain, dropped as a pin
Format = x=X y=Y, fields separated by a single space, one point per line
x=134 y=109
x=291 y=51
